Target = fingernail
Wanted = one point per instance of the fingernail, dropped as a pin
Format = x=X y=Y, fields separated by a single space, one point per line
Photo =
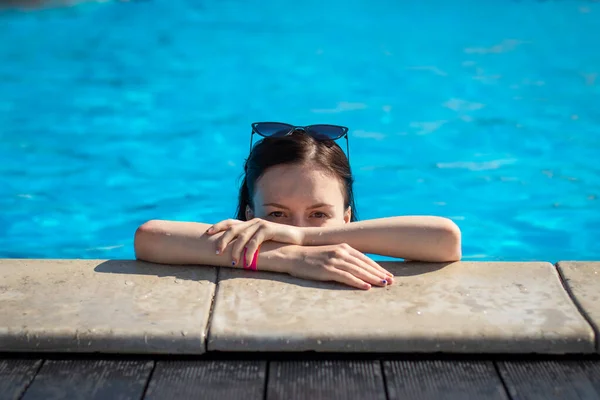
x=233 y=262
x=384 y=282
x=210 y=230
x=218 y=251
x=367 y=286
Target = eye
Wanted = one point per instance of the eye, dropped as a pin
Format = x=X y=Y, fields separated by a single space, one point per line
x=319 y=214
x=277 y=214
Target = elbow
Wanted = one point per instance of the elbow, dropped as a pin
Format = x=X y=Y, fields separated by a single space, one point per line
x=449 y=242
x=145 y=240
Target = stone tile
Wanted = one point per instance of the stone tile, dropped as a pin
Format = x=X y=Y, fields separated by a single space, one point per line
x=467 y=307
x=582 y=279
x=103 y=306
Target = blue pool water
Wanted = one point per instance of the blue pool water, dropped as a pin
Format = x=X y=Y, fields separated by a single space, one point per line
x=487 y=112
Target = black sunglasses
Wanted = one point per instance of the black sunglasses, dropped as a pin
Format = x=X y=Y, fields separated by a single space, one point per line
x=319 y=132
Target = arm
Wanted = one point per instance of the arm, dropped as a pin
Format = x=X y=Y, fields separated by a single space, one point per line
x=422 y=238
x=171 y=242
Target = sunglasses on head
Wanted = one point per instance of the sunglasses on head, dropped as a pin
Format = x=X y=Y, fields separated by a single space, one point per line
x=319 y=132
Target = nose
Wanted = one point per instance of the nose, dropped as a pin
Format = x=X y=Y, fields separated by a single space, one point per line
x=299 y=221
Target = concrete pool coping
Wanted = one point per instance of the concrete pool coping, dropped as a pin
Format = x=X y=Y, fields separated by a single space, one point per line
x=125 y=306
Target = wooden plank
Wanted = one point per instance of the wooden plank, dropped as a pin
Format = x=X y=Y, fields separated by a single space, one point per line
x=208 y=379
x=592 y=371
x=546 y=380
x=446 y=379
x=327 y=380
x=90 y=379
x=15 y=375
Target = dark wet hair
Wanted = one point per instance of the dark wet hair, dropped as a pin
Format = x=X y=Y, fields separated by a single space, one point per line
x=297 y=148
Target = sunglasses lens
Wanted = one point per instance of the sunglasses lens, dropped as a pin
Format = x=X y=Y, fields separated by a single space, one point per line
x=273 y=129
x=326 y=132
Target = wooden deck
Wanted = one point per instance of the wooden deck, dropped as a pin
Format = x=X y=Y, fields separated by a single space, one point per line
x=289 y=376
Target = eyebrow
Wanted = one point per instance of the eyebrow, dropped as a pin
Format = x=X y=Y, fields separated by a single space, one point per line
x=318 y=205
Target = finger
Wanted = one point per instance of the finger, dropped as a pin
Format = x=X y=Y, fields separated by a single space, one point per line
x=231 y=233
x=222 y=242
x=223 y=225
x=349 y=279
x=361 y=270
x=387 y=275
x=359 y=262
x=237 y=248
x=253 y=245
x=361 y=256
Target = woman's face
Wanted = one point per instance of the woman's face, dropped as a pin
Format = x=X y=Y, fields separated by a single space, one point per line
x=300 y=196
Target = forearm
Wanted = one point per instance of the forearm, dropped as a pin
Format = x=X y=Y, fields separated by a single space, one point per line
x=420 y=238
x=171 y=242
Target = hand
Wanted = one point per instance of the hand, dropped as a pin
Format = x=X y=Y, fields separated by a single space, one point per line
x=250 y=235
x=340 y=263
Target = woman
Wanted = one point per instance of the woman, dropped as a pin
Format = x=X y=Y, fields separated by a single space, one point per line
x=296 y=215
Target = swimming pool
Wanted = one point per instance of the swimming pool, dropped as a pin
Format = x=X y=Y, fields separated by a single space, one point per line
x=486 y=112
